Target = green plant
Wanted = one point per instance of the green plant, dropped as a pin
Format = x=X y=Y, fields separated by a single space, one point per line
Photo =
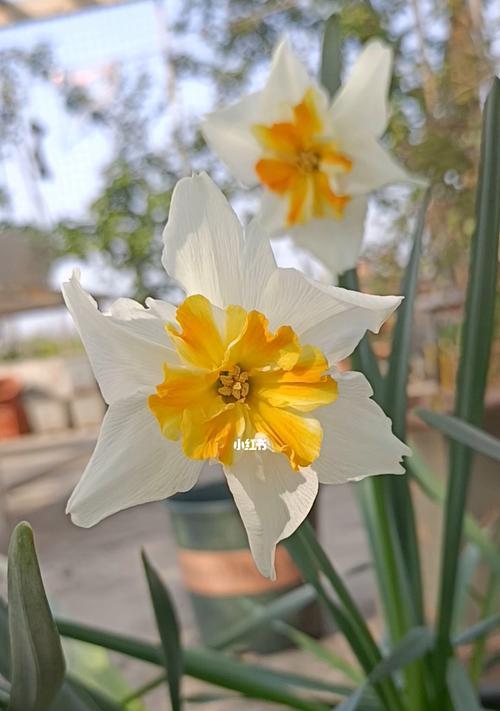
x=420 y=670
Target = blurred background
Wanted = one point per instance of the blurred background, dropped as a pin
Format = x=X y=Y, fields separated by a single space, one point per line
x=100 y=104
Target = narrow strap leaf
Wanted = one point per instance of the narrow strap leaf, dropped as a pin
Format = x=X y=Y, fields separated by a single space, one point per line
x=463 y=694
x=36 y=657
x=168 y=628
x=480 y=629
x=473 y=437
x=474 y=361
x=261 y=615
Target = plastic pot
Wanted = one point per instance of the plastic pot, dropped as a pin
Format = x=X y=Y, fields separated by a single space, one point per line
x=219 y=572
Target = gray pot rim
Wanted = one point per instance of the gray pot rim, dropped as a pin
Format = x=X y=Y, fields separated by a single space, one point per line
x=209 y=499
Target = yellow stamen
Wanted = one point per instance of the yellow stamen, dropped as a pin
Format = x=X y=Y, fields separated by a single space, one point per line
x=234 y=384
x=308 y=161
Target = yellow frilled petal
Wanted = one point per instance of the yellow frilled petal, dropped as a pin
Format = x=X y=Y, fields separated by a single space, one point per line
x=278 y=175
x=257 y=347
x=307 y=119
x=212 y=436
x=303 y=388
x=278 y=137
x=241 y=379
x=181 y=390
x=199 y=342
x=298 y=438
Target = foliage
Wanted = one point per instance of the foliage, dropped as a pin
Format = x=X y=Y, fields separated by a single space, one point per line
x=444 y=54
x=125 y=225
x=416 y=669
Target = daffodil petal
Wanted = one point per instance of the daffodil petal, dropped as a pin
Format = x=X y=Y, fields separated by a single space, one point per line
x=303 y=388
x=180 y=390
x=206 y=250
x=127 y=348
x=358 y=440
x=273 y=212
x=374 y=167
x=257 y=347
x=228 y=132
x=132 y=464
x=336 y=243
x=286 y=86
x=212 y=436
x=200 y=338
x=297 y=437
x=272 y=500
x=361 y=105
x=328 y=317
x=204 y=242
x=258 y=264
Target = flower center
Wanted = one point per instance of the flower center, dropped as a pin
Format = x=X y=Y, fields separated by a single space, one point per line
x=233 y=384
x=238 y=380
x=302 y=163
x=308 y=161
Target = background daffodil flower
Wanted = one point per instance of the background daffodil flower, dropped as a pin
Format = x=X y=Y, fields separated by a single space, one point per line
x=316 y=160
x=250 y=352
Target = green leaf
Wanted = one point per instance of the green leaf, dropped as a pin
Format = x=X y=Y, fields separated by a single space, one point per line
x=474 y=361
x=402 y=599
x=65 y=699
x=4 y=699
x=212 y=667
x=77 y=697
x=129 y=646
x=431 y=486
x=71 y=698
x=352 y=703
x=396 y=407
x=310 y=557
x=36 y=657
x=481 y=442
x=140 y=691
x=168 y=628
x=308 y=644
x=331 y=56
x=396 y=400
x=470 y=558
x=93 y=667
x=480 y=629
x=261 y=615
x=92 y=698
x=417 y=642
x=253 y=681
x=4 y=641
x=463 y=694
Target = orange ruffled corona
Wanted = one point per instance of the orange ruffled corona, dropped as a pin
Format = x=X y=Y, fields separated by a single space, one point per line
x=239 y=379
x=297 y=163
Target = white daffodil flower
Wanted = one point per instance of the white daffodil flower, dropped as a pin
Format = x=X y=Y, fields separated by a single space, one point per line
x=316 y=160
x=249 y=354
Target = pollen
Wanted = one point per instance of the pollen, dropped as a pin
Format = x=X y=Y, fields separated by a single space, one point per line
x=233 y=384
x=308 y=161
